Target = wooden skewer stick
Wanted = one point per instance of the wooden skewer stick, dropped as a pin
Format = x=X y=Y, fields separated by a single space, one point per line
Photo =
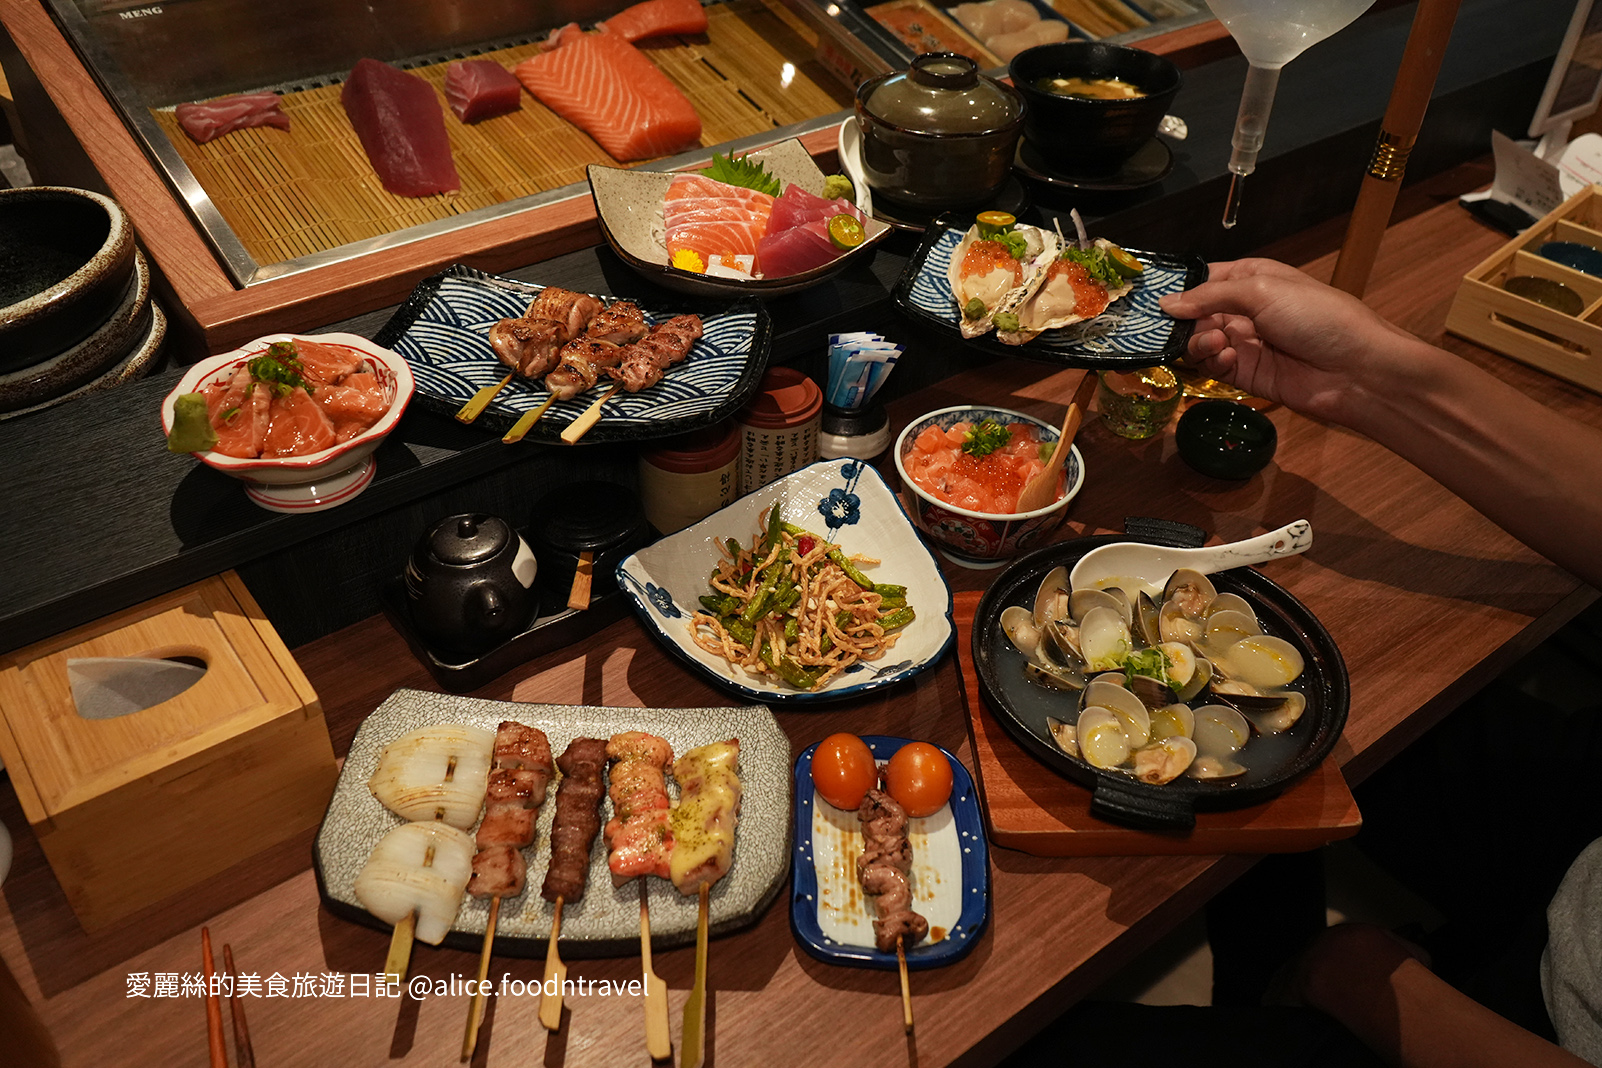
x=242 y=1048
x=214 y=1025
x=578 y=598
x=906 y=988
x=481 y=400
x=658 y=1040
x=692 y=1044
x=400 y=949
x=592 y=415
x=475 y=1010
x=525 y=424
x=555 y=976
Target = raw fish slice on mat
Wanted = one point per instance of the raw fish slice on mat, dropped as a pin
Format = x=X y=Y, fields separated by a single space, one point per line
x=481 y=89
x=402 y=129
x=329 y=364
x=435 y=773
x=610 y=90
x=399 y=879
x=239 y=414
x=299 y=426
x=658 y=18
x=986 y=20
x=1046 y=31
x=214 y=118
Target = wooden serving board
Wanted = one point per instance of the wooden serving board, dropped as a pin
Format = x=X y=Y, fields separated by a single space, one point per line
x=1029 y=807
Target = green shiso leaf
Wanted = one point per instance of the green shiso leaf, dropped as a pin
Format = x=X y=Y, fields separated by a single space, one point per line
x=744 y=172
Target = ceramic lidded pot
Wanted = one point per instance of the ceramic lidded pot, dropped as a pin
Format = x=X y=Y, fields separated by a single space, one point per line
x=938 y=135
x=470 y=584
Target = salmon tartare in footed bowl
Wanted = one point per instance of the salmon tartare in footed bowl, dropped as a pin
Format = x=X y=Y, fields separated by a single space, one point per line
x=961 y=472
x=295 y=417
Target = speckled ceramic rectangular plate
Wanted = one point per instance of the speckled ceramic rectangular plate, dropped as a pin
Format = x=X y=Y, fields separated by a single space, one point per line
x=607 y=921
x=1132 y=333
x=443 y=332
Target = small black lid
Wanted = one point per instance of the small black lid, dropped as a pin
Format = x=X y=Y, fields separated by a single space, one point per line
x=586 y=517
x=854 y=423
x=468 y=539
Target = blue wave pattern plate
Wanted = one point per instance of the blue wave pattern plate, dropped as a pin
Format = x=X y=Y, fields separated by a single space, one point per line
x=846 y=501
x=1134 y=332
x=950 y=873
x=443 y=332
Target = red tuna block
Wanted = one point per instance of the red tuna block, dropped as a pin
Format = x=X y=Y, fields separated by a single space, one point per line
x=481 y=89
x=217 y=117
x=402 y=129
x=657 y=18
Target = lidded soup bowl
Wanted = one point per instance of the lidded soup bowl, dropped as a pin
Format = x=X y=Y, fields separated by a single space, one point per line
x=938 y=135
x=1092 y=136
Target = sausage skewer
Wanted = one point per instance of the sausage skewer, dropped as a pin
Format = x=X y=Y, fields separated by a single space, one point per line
x=517 y=786
x=640 y=836
x=578 y=818
x=882 y=869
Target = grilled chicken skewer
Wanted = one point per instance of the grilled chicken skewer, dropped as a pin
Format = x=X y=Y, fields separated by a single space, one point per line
x=578 y=818
x=643 y=363
x=517 y=786
x=532 y=345
x=882 y=869
x=703 y=848
x=640 y=837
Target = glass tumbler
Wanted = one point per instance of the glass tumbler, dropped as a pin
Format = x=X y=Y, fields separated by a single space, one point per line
x=1138 y=404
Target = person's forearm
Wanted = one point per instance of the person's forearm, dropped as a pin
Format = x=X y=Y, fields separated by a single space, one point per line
x=1490 y=444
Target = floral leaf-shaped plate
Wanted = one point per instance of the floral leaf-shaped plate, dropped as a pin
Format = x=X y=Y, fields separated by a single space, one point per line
x=1132 y=333
x=846 y=501
x=443 y=332
x=833 y=920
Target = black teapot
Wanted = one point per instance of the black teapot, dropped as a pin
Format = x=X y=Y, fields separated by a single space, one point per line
x=470 y=584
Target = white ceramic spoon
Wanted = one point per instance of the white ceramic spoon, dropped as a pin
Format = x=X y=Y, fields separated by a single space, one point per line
x=1134 y=565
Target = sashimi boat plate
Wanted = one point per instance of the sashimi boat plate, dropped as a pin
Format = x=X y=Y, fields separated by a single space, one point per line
x=830 y=915
x=629 y=205
x=1134 y=332
x=606 y=921
x=443 y=332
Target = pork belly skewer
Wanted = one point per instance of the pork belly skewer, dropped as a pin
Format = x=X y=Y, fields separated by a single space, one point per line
x=517 y=786
x=573 y=830
x=640 y=837
x=882 y=869
x=431 y=775
x=703 y=848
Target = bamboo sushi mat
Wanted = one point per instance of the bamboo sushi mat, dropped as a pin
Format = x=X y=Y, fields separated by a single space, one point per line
x=309 y=189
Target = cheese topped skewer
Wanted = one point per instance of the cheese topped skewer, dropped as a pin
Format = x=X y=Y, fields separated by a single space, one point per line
x=703 y=848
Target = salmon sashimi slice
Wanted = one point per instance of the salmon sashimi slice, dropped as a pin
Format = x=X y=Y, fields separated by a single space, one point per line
x=481 y=89
x=712 y=219
x=658 y=18
x=326 y=364
x=402 y=129
x=610 y=90
x=239 y=414
x=353 y=405
x=299 y=426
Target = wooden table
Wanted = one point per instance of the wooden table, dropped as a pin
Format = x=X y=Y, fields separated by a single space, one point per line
x=1426 y=598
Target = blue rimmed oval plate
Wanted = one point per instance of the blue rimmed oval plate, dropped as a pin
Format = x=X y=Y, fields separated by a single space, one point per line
x=846 y=501
x=443 y=332
x=1132 y=333
x=950 y=880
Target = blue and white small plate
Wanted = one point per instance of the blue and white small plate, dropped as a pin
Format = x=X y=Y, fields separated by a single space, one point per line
x=830 y=916
x=1132 y=333
x=443 y=331
x=846 y=501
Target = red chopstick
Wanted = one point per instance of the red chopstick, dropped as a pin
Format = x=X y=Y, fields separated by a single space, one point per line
x=214 y=1024
x=247 y=1056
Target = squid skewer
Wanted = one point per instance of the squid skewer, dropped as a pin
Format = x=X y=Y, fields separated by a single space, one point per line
x=573 y=830
x=640 y=837
x=512 y=800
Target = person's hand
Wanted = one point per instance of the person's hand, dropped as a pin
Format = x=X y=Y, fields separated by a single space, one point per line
x=1275 y=332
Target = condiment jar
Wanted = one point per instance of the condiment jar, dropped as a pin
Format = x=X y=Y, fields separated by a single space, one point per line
x=690 y=477
x=469 y=584
x=940 y=134
x=779 y=428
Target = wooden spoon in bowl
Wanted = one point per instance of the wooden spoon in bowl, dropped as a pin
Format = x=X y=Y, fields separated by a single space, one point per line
x=1042 y=489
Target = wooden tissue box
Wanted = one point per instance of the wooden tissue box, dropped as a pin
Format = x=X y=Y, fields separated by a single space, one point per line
x=133 y=809
x=1568 y=346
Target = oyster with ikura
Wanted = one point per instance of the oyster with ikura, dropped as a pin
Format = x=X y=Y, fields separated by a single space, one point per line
x=1079 y=283
x=995 y=266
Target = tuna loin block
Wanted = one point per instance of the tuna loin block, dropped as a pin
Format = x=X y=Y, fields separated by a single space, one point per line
x=481 y=89
x=402 y=129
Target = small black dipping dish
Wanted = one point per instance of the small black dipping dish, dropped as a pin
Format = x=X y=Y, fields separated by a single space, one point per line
x=1225 y=439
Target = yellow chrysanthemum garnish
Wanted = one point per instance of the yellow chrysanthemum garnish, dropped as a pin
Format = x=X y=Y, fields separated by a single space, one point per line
x=687 y=259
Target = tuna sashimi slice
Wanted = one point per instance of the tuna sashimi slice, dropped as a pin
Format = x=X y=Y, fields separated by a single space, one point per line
x=798 y=206
x=481 y=89
x=607 y=88
x=299 y=426
x=217 y=117
x=797 y=239
x=402 y=129
x=658 y=18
